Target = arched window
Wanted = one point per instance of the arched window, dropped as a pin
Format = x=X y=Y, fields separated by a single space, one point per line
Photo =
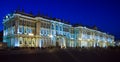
x=22 y=29
x=28 y=30
x=56 y=27
x=52 y=26
x=20 y=42
x=60 y=28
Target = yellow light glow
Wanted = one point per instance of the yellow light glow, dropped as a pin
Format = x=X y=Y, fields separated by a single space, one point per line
x=50 y=36
x=80 y=39
x=31 y=34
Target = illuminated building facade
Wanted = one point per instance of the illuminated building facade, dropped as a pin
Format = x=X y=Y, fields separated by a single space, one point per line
x=26 y=30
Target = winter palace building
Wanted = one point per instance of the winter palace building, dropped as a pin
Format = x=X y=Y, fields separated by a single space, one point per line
x=25 y=30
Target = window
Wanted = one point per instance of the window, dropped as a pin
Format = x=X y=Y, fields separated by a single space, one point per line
x=41 y=24
x=20 y=42
x=44 y=26
x=28 y=30
x=24 y=30
x=47 y=32
x=13 y=29
x=56 y=27
x=41 y=32
x=60 y=28
x=52 y=26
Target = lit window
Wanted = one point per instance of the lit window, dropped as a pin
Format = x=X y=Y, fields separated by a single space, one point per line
x=30 y=30
x=41 y=32
x=20 y=29
x=60 y=28
x=52 y=26
x=56 y=27
x=13 y=30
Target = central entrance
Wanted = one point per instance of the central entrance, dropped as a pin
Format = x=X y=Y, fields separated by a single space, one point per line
x=61 y=42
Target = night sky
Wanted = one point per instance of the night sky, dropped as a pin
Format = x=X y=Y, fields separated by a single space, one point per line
x=105 y=14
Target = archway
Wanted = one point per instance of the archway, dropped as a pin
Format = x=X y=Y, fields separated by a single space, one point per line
x=21 y=42
x=61 y=42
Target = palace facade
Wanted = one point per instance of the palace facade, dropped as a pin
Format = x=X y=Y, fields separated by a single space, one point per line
x=26 y=30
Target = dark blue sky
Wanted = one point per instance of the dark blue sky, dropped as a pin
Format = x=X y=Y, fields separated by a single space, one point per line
x=105 y=14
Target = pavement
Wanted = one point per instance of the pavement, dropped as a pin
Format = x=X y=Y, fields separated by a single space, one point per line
x=60 y=55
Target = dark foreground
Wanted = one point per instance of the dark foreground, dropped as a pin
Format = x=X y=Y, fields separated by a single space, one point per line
x=61 y=55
